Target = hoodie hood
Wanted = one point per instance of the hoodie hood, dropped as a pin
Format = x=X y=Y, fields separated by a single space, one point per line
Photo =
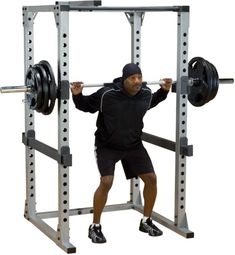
x=118 y=82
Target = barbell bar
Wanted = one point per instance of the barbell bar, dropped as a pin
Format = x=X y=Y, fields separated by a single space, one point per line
x=25 y=89
x=41 y=89
x=160 y=82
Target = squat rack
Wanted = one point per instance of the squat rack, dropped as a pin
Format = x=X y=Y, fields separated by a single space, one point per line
x=62 y=154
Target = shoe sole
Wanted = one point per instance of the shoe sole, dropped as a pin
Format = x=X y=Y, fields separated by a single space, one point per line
x=95 y=241
x=146 y=231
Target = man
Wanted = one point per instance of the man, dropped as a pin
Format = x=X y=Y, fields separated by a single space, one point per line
x=122 y=106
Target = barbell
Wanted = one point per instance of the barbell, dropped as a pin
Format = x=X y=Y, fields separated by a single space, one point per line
x=42 y=92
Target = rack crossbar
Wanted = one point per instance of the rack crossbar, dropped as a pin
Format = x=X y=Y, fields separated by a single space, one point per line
x=42 y=8
x=85 y=210
x=66 y=7
x=121 y=9
x=159 y=141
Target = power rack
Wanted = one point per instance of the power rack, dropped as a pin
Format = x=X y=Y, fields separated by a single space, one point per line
x=62 y=154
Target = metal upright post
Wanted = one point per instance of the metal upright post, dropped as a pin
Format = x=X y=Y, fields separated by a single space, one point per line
x=181 y=119
x=135 y=19
x=30 y=203
x=63 y=156
x=62 y=22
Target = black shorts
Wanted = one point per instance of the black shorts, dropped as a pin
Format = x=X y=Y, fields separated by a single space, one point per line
x=134 y=162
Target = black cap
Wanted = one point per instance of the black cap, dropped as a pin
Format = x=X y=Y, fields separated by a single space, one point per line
x=130 y=69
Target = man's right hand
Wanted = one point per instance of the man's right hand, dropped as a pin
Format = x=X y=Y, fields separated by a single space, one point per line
x=76 y=87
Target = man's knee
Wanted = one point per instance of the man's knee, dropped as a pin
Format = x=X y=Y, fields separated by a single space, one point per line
x=106 y=182
x=149 y=178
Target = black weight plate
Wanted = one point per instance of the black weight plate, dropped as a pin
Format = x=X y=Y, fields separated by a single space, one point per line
x=198 y=94
x=208 y=79
x=33 y=80
x=45 y=88
x=215 y=82
x=199 y=90
x=52 y=86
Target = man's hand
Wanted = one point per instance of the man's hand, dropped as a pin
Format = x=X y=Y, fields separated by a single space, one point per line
x=76 y=87
x=167 y=84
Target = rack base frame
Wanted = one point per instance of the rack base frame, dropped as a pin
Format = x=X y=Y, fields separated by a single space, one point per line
x=38 y=221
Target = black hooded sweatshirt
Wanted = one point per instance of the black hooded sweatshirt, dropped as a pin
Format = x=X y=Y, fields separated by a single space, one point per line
x=120 y=119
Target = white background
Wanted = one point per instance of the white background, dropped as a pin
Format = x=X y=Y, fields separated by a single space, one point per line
x=99 y=47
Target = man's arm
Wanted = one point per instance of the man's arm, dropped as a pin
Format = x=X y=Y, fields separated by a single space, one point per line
x=162 y=93
x=89 y=103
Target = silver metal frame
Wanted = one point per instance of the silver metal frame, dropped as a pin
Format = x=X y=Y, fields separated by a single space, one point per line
x=181 y=120
x=135 y=17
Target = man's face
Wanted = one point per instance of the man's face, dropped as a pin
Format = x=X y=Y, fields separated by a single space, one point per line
x=133 y=84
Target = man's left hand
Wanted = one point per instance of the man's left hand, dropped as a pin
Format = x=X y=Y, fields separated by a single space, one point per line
x=167 y=84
